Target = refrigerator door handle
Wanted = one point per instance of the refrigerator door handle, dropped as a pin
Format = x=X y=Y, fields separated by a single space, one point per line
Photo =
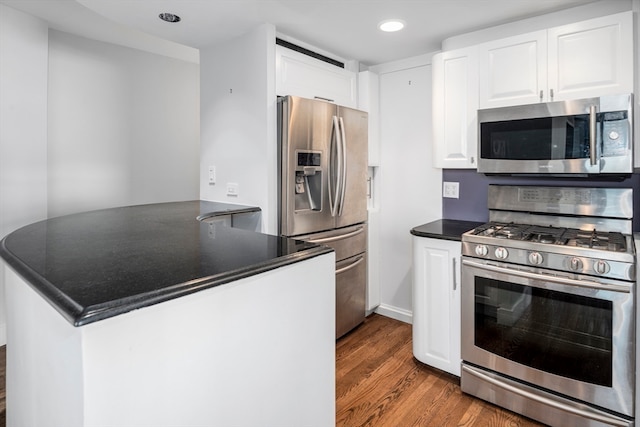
x=343 y=174
x=350 y=266
x=334 y=193
x=340 y=237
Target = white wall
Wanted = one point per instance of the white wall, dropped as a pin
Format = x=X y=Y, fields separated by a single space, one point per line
x=23 y=127
x=123 y=126
x=410 y=187
x=87 y=125
x=238 y=119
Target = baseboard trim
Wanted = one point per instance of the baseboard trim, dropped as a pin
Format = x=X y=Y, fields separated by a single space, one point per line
x=396 y=313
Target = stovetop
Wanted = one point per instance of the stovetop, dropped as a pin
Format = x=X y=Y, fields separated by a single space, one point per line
x=604 y=241
x=571 y=250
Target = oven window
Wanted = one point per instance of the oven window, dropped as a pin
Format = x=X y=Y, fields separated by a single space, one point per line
x=555 y=332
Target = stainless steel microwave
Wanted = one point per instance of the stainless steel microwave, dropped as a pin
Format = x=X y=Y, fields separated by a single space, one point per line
x=584 y=137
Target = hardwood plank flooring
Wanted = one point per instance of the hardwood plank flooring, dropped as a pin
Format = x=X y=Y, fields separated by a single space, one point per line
x=3 y=395
x=379 y=383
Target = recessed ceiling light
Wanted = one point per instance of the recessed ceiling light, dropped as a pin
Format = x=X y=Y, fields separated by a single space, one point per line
x=169 y=17
x=391 y=25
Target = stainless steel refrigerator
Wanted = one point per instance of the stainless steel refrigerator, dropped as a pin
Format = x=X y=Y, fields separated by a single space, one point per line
x=323 y=191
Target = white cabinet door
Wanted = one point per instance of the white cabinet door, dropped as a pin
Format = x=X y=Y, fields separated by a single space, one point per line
x=513 y=71
x=591 y=58
x=455 y=104
x=436 y=303
x=581 y=60
x=300 y=75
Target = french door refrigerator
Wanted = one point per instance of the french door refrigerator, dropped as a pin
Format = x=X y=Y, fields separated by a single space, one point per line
x=323 y=191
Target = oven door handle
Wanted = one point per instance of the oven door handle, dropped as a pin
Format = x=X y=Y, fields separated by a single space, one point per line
x=546 y=401
x=556 y=279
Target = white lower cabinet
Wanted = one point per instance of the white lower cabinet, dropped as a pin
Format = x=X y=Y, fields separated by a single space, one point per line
x=436 y=303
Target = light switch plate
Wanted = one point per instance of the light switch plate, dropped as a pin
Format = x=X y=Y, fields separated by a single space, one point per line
x=212 y=175
x=451 y=190
x=232 y=189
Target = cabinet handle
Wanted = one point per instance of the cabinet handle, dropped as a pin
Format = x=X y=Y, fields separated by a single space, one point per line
x=551 y=94
x=472 y=159
x=455 y=280
x=541 y=95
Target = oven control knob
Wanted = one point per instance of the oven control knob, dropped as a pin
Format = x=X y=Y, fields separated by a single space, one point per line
x=601 y=267
x=482 y=250
x=575 y=264
x=501 y=253
x=535 y=258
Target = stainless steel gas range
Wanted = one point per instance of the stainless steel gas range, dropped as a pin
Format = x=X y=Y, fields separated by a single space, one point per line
x=548 y=305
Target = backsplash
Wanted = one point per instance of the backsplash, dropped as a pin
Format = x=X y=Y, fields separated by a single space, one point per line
x=472 y=204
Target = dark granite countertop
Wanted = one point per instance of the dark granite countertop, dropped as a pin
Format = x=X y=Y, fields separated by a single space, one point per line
x=446 y=229
x=95 y=265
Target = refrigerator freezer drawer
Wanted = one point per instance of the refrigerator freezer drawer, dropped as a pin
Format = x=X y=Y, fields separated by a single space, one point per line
x=347 y=242
x=351 y=280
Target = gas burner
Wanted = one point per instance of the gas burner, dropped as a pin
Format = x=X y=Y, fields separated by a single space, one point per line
x=542 y=238
x=509 y=232
x=614 y=242
x=548 y=235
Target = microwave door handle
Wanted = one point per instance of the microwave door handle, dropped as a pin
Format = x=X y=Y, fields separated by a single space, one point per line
x=593 y=155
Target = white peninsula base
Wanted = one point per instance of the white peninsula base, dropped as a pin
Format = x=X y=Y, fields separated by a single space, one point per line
x=259 y=351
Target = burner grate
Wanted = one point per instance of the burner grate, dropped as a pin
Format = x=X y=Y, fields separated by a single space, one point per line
x=612 y=241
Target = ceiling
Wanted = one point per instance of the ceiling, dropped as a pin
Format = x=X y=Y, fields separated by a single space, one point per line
x=347 y=28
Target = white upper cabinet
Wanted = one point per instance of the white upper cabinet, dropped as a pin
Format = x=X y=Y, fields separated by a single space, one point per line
x=455 y=105
x=591 y=58
x=513 y=70
x=301 y=75
x=582 y=60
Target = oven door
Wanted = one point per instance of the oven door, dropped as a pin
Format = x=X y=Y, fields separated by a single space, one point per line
x=571 y=335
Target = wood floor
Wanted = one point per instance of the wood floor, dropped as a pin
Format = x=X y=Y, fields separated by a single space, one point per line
x=3 y=394
x=379 y=383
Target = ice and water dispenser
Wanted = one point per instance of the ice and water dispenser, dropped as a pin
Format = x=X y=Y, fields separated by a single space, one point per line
x=308 y=184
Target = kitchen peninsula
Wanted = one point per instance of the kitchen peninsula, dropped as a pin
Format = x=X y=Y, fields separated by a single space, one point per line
x=145 y=315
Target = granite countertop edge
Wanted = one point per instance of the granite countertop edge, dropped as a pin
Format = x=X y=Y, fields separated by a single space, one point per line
x=79 y=315
x=445 y=229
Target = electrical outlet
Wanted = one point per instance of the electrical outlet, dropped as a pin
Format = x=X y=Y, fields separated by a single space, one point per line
x=232 y=189
x=451 y=190
x=212 y=175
